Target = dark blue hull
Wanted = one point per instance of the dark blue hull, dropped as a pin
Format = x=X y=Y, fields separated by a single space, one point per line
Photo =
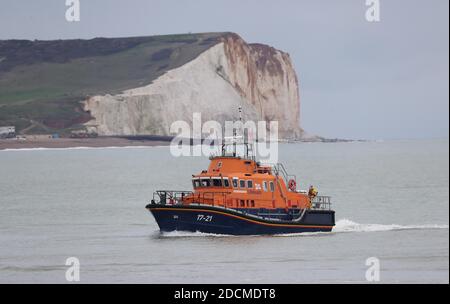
x=216 y=220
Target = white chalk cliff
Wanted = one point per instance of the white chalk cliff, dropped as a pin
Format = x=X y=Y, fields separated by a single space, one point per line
x=229 y=74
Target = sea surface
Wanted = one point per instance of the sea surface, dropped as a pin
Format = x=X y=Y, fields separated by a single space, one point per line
x=391 y=200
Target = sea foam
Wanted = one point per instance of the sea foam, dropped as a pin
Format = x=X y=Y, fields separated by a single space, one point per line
x=346 y=225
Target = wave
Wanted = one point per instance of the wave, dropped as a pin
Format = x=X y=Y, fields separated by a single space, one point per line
x=345 y=225
x=31 y=268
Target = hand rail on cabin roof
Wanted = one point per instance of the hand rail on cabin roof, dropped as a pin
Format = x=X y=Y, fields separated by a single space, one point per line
x=279 y=168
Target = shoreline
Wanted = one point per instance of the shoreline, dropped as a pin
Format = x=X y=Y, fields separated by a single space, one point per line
x=61 y=143
x=116 y=142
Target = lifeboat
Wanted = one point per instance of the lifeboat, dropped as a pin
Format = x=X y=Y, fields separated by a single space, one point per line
x=237 y=195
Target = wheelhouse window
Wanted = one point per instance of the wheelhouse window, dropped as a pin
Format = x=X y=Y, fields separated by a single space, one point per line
x=196 y=183
x=235 y=182
x=242 y=203
x=242 y=183
x=250 y=184
x=226 y=182
x=272 y=187
x=205 y=182
x=217 y=182
x=265 y=186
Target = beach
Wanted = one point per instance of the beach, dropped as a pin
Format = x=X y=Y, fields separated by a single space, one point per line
x=60 y=143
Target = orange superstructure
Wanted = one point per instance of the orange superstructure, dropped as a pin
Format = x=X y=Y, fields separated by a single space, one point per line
x=236 y=182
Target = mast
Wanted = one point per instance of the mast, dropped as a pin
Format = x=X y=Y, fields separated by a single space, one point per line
x=237 y=137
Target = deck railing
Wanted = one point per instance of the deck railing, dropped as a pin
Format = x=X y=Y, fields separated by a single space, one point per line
x=219 y=199
x=279 y=169
x=172 y=197
x=321 y=202
x=214 y=198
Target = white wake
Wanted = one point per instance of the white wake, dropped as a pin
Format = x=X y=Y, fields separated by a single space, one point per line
x=345 y=225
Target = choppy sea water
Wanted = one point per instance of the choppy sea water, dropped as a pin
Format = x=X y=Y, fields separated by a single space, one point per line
x=391 y=200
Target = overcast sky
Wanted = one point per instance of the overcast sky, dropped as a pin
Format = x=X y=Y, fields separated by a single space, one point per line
x=379 y=80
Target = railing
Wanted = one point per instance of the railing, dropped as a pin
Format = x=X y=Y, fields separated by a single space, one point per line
x=280 y=169
x=172 y=197
x=218 y=199
x=214 y=198
x=321 y=202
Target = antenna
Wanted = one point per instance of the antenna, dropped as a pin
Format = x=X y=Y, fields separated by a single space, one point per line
x=244 y=134
x=235 y=138
x=235 y=133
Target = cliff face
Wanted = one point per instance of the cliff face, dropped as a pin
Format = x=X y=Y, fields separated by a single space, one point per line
x=227 y=75
x=265 y=78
